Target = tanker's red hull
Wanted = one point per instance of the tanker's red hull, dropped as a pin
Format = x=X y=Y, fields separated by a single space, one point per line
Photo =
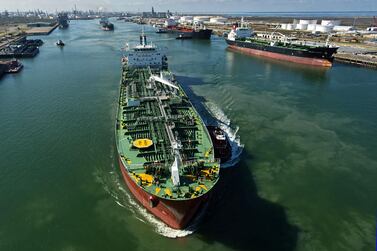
x=176 y=214
x=278 y=56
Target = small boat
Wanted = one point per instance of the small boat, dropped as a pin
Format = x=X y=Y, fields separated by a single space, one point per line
x=183 y=36
x=13 y=66
x=60 y=43
x=107 y=26
x=221 y=144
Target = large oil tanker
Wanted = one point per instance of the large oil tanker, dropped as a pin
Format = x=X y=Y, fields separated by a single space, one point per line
x=195 y=32
x=166 y=155
x=243 y=39
x=106 y=25
x=198 y=33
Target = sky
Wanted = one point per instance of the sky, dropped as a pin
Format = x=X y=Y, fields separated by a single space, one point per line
x=194 y=5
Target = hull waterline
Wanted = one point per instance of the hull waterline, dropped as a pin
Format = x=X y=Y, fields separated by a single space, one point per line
x=283 y=57
x=176 y=214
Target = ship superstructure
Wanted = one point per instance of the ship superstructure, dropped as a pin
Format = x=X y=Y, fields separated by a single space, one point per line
x=165 y=151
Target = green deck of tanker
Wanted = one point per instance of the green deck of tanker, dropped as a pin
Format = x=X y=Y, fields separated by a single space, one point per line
x=150 y=117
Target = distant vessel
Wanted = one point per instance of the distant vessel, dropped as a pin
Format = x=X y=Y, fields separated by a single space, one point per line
x=165 y=152
x=106 y=25
x=12 y=66
x=60 y=43
x=190 y=32
x=196 y=32
x=243 y=39
x=63 y=20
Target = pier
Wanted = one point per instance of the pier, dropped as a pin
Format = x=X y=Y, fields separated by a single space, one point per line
x=38 y=31
x=368 y=59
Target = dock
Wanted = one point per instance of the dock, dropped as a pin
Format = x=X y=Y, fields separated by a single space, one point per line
x=21 y=48
x=3 y=68
x=368 y=59
x=39 y=31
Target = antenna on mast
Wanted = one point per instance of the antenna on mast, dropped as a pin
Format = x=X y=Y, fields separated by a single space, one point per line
x=143 y=37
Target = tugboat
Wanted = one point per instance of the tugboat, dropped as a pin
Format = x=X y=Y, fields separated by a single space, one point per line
x=106 y=25
x=165 y=151
x=221 y=145
x=278 y=46
x=60 y=43
x=13 y=66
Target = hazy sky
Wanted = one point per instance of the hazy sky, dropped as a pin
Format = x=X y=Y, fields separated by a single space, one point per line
x=194 y=5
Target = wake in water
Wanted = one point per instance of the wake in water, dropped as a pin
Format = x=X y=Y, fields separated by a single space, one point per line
x=222 y=121
x=114 y=185
x=143 y=215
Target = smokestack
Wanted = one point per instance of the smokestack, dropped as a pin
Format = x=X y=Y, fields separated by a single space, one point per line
x=141 y=40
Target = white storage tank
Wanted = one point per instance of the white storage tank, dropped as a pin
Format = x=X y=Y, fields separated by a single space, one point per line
x=301 y=26
x=324 y=28
x=342 y=28
x=186 y=19
x=303 y=21
x=283 y=26
x=311 y=27
x=307 y=21
x=330 y=22
x=372 y=29
x=202 y=19
x=291 y=26
x=218 y=20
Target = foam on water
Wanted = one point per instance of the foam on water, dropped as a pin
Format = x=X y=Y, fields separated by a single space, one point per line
x=144 y=216
x=225 y=124
x=113 y=184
